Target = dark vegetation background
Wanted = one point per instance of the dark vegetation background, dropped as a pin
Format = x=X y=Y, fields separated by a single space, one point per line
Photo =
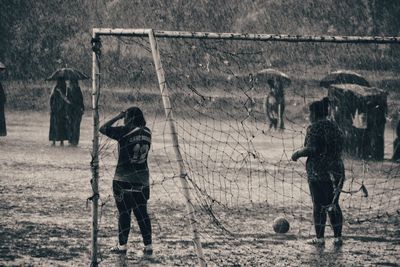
x=40 y=36
x=37 y=37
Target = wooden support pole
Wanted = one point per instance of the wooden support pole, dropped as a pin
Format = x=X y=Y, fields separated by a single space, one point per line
x=174 y=135
x=95 y=155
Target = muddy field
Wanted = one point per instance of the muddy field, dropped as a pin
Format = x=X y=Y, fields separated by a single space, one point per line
x=46 y=218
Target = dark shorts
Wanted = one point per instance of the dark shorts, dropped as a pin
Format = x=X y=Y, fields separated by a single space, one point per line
x=132 y=194
x=128 y=198
x=325 y=170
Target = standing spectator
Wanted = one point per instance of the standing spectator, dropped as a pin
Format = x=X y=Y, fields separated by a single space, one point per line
x=131 y=180
x=325 y=171
x=376 y=120
x=271 y=109
x=278 y=94
x=75 y=111
x=58 y=115
x=396 y=144
x=3 y=129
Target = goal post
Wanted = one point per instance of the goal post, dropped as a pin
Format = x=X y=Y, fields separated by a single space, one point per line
x=249 y=156
x=169 y=117
x=94 y=164
x=183 y=174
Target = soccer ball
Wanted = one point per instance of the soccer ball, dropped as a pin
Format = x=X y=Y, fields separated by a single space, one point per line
x=281 y=225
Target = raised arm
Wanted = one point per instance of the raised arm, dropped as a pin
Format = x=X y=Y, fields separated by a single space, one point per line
x=108 y=124
x=63 y=97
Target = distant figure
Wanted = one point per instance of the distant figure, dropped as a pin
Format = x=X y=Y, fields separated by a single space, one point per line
x=75 y=111
x=376 y=121
x=275 y=104
x=362 y=118
x=325 y=170
x=360 y=141
x=271 y=109
x=58 y=113
x=3 y=129
x=396 y=144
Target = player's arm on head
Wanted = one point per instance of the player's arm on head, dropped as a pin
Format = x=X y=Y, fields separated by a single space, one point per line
x=110 y=131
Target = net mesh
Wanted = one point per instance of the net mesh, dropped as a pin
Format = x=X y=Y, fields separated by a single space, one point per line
x=239 y=169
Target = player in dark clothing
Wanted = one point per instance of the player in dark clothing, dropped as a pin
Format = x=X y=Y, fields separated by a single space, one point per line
x=131 y=180
x=325 y=170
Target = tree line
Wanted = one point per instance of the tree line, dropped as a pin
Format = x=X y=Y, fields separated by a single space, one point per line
x=40 y=36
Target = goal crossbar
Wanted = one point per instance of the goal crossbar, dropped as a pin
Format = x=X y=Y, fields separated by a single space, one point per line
x=248 y=36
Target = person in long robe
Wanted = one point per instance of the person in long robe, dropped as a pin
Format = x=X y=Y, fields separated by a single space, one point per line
x=3 y=128
x=59 y=124
x=75 y=111
x=376 y=120
x=396 y=144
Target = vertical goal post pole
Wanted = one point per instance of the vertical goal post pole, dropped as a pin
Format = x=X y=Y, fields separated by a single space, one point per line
x=174 y=135
x=95 y=149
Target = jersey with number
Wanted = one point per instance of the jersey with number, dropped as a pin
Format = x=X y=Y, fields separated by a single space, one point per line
x=133 y=147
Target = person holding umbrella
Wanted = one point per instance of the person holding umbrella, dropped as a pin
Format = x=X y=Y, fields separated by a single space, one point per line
x=274 y=105
x=343 y=77
x=65 y=116
x=3 y=129
x=349 y=111
x=59 y=129
x=274 y=101
x=75 y=110
x=325 y=170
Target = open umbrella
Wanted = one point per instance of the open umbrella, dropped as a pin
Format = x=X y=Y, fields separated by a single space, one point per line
x=272 y=74
x=67 y=74
x=343 y=76
x=359 y=90
x=2 y=66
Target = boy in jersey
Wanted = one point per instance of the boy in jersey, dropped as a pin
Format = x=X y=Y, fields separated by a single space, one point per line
x=131 y=180
x=325 y=170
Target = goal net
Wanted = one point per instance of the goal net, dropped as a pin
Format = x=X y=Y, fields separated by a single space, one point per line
x=238 y=167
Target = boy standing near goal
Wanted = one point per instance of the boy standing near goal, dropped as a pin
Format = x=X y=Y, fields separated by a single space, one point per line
x=131 y=180
x=325 y=171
